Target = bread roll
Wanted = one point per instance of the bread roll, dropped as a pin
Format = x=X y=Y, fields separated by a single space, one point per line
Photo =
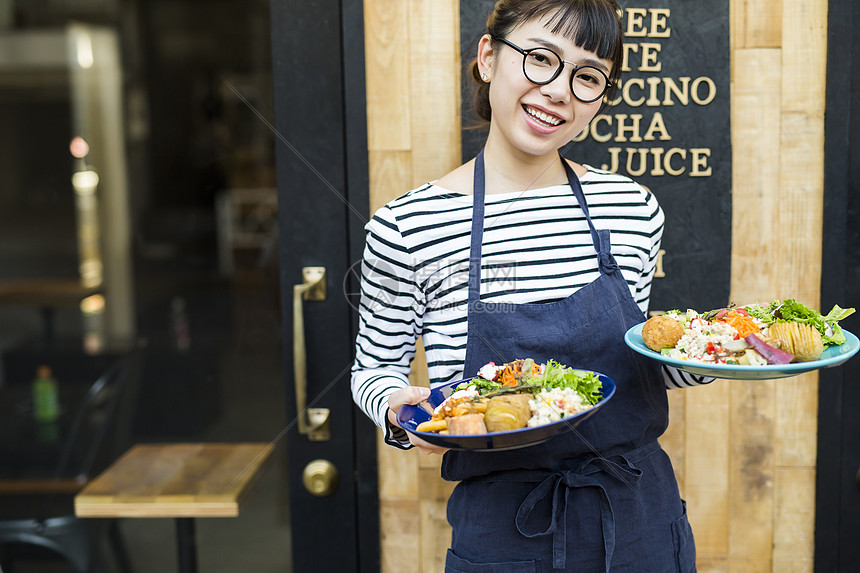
x=661 y=332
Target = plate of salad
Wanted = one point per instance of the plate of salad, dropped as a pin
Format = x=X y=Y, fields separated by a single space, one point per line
x=512 y=405
x=751 y=342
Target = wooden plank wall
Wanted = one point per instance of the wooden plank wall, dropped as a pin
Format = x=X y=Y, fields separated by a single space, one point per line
x=744 y=452
x=413 y=111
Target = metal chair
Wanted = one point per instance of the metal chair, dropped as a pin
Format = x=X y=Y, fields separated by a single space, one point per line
x=100 y=432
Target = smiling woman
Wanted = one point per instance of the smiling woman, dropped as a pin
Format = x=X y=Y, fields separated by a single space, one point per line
x=583 y=245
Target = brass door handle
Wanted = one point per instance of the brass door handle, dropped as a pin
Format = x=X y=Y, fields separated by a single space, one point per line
x=313 y=422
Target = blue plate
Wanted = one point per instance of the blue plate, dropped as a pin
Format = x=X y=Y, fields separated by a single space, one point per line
x=410 y=416
x=832 y=356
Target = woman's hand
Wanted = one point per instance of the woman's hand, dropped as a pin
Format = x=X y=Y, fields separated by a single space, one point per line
x=411 y=395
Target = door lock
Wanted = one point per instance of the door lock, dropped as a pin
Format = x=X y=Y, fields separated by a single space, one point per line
x=320 y=478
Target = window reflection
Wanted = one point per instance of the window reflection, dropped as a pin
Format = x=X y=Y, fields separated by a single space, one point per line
x=137 y=200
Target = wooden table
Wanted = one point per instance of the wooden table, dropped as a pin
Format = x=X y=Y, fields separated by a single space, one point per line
x=182 y=481
x=47 y=294
x=53 y=292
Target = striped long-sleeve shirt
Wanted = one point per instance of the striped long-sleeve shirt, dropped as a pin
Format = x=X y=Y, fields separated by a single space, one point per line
x=537 y=248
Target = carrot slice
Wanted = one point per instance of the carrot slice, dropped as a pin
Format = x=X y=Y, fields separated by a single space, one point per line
x=743 y=324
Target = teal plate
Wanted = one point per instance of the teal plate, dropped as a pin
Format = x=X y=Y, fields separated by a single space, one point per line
x=833 y=356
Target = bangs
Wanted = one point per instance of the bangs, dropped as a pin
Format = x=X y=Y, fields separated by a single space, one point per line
x=587 y=24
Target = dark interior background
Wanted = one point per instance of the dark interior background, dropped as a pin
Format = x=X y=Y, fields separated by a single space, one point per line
x=189 y=138
x=196 y=79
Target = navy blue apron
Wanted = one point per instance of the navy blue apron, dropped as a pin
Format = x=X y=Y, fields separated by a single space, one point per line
x=601 y=497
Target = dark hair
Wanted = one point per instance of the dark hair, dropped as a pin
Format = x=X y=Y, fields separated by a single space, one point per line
x=594 y=25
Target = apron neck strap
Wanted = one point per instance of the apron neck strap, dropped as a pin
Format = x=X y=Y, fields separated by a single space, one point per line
x=477 y=234
x=601 y=240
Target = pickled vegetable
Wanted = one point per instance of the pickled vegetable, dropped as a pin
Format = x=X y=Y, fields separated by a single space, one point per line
x=772 y=354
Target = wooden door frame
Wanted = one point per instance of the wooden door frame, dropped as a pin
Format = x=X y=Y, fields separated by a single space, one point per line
x=837 y=496
x=322 y=174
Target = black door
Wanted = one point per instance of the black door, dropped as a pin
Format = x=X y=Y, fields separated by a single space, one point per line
x=319 y=102
x=837 y=526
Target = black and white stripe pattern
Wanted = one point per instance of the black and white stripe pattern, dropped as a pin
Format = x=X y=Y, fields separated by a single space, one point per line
x=537 y=248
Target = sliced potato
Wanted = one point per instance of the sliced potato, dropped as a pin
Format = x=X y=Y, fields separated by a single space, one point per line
x=802 y=340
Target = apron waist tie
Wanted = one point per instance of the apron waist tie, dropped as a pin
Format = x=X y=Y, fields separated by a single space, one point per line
x=560 y=484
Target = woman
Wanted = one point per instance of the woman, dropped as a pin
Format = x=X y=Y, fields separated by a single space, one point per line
x=522 y=254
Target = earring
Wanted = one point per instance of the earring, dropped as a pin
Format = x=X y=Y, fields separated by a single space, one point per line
x=485 y=77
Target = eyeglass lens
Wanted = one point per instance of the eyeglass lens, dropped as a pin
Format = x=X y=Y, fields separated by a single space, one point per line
x=541 y=66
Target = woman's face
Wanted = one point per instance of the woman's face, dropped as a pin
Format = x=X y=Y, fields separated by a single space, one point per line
x=535 y=119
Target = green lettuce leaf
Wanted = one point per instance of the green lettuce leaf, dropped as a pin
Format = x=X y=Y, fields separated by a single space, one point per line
x=481 y=385
x=763 y=313
x=790 y=310
x=555 y=375
x=586 y=384
x=833 y=334
x=837 y=313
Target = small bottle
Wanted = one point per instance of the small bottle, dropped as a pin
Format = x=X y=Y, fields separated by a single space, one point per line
x=46 y=405
x=179 y=324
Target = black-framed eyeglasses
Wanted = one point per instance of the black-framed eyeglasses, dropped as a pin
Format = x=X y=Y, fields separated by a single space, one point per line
x=542 y=65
